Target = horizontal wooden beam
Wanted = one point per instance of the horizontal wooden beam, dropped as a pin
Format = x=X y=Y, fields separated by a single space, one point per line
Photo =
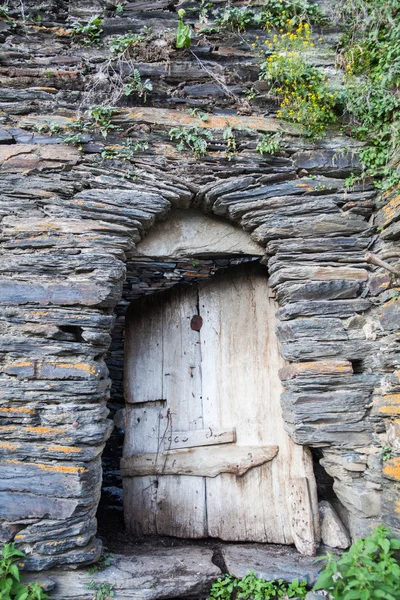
x=207 y=461
x=199 y=437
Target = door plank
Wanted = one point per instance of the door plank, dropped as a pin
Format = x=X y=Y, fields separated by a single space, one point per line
x=140 y=505
x=181 y=507
x=241 y=388
x=199 y=437
x=301 y=515
x=143 y=376
x=207 y=461
x=181 y=500
x=182 y=360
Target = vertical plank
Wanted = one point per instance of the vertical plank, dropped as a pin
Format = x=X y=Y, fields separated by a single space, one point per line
x=181 y=359
x=143 y=377
x=241 y=388
x=181 y=500
x=302 y=517
x=145 y=425
x=181 y=506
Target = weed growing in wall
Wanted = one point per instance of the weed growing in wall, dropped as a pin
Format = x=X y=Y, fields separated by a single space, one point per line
x=126 y=151
x=304 y=91
x=121 y=43
x=274 y=14
x=137 y=86
x=270 y=143
x=88 y=33
x=370 y=56
x=183 y=33
x=194 y=138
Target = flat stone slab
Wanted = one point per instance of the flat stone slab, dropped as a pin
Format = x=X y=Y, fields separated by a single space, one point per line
x=151 y=574
x=270 y=562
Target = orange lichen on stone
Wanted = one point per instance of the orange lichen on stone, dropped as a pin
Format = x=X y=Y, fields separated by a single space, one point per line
x=390 y=404
x=392 y=468
x=9 y=446
x=17 y=409
x=81 y=366
x=52 y=468
x=66 y=449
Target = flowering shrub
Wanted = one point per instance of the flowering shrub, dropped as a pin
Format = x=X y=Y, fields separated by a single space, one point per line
x=306 y=97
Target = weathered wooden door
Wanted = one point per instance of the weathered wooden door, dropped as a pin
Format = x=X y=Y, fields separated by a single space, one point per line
x=206 y=453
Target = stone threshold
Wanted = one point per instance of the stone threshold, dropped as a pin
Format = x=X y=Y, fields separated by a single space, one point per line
x=154 y=573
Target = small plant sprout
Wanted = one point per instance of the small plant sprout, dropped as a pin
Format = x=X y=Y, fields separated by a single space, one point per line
x=229 y=137
x=137 y=86
x=102 y=591
x=124 y=152
x=386 y=452
x=101 y=118
x=121 y=43
x=199 y=114
x=194 y=138
x=183 y=33
x=251 y=94
x=270 y=143
x=88 y=33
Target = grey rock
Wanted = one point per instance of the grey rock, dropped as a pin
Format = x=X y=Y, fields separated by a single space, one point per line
x=150 y=574
x=333 y=532
x=271 y=562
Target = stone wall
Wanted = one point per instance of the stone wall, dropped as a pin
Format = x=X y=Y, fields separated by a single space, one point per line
x=70 y=223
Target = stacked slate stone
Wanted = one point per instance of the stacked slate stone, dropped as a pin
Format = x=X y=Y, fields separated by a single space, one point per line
x=69 y=224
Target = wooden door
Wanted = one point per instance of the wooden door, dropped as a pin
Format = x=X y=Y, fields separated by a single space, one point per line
x=206 y=453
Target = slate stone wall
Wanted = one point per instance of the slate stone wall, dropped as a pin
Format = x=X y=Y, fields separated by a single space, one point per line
x=69 y=224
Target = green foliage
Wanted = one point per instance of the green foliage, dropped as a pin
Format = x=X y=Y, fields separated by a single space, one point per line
x=370 y=56
x=199 y=114
x=306 y=97
x=235 y=18
x=103 y=563
x=102 y=591
x=11 y=587
x=386 y=451
x=137 y=86
x=124 y=152
x=193 y=138
x=251 y=94
x=183 y=33
x=51 y=128
x=88 y=33
x=368 y=571
x=100 y=117
x=252 y=587
x=230 y=139
x=275 y=14
x=121 y=43
x=270 y=143
x=5 y=16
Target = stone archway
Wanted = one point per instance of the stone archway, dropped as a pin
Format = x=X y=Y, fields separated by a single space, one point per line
x=77 y=239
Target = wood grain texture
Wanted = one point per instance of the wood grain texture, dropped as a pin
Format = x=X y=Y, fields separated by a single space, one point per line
x=220 y=379
x=201 y=437
x=208 y=461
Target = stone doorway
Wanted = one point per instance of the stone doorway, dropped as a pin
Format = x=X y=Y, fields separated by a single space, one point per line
x=272 y=498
